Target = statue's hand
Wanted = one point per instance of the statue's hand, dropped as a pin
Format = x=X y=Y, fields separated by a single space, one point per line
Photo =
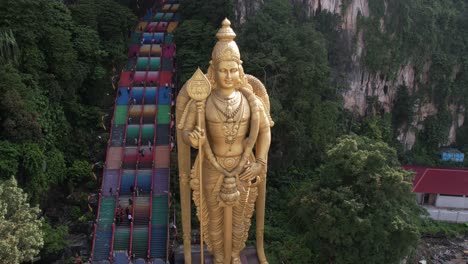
x=251 y=171
x=197 y=137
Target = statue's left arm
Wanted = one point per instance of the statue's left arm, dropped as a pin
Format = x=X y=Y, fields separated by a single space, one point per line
x=262 y=145
x=261 y=155
x=263 y=142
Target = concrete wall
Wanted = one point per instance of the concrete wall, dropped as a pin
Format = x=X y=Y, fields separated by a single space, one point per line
x=446 y=215
x=419 y=198
x=451 y=201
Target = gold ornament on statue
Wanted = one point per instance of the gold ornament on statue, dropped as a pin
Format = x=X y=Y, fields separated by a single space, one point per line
x=229 y=122
x=198 y=87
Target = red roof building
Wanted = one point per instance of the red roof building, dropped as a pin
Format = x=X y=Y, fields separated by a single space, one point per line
x=443 y=192
x=439 y=180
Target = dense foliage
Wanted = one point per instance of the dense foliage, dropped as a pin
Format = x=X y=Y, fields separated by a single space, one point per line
x=55 y=68
x=359 y=203
x=20 y=226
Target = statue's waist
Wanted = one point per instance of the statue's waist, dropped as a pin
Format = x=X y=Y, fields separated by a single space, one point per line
x=226 y=150
x=227 y=163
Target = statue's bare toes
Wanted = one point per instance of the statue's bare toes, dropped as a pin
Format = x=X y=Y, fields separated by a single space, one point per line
x=236 y=260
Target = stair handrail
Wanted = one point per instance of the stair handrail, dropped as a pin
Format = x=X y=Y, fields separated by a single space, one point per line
x=94 y=242
x=104 y=173
x=130 y=246
x=148 y=256
x=111 y=250
x=169 y=202
x=119 y=177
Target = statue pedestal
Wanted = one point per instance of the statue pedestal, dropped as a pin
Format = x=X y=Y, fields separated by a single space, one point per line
x=248 y=255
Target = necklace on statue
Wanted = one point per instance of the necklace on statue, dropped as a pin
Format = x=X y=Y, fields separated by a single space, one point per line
x=228 y=104
x=230 y=125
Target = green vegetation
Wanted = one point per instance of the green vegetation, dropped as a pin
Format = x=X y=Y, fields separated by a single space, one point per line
x=359 y=203
x=21 y=236
x=431 y=227
x=56 y=62
x=54 y=239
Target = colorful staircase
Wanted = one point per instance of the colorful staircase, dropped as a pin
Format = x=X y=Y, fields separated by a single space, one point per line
x=136 y=174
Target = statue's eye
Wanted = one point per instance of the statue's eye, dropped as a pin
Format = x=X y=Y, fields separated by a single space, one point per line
x=234 y=70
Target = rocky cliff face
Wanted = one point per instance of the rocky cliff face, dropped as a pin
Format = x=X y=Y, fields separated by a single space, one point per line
x=362 y=83
x=246 y=8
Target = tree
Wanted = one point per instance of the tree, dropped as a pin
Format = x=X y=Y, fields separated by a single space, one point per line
x=80 y=171
x=9 y=154
x=31 y=171
x=20 y=227
x=54 y=239
x=17 y=114
x=359 y=208
x=196 y=38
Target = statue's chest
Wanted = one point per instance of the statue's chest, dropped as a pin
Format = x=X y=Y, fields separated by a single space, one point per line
x=219 y=113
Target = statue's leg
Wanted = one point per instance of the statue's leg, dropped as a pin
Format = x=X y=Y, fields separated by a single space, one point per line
x=260 y=221
x=238 y=230
x=242 y=214
x=216 y=213
x=215 y=229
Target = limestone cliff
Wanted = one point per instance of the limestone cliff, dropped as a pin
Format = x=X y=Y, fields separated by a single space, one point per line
x=363 y=84
x=246 y=8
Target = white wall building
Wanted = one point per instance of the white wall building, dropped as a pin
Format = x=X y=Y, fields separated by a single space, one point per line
x=443 y=192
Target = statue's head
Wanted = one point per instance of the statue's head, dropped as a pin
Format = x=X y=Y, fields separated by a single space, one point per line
x=225 y=70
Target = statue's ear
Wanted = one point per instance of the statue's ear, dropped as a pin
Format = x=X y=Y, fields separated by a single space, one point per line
x=241 y=73
x=210 y=75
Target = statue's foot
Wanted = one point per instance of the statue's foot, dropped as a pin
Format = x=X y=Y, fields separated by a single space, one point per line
x=235 y=259
x=219 y=259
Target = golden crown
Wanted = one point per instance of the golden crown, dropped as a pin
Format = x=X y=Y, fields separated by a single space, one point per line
x=226 y=48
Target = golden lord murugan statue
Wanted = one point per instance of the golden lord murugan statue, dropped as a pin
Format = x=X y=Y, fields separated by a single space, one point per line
x=224 y=114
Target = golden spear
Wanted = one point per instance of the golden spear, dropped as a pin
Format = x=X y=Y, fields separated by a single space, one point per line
x=199 y=88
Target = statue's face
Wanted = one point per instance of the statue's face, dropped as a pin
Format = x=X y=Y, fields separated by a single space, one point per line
x=227 y=74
